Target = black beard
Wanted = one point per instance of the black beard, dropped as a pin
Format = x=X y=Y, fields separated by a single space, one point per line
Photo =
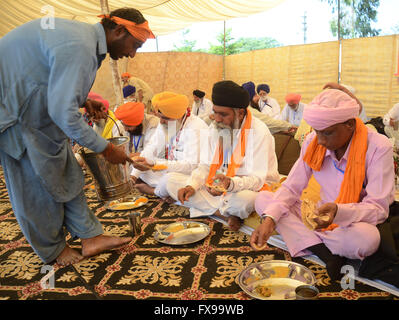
x=138 y=131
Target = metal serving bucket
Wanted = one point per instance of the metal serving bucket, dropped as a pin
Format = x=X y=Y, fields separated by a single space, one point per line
x=112 y=181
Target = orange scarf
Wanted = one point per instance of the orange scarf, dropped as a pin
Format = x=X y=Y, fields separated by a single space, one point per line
x=140 y=31
x=356 y=166
x=238 y=154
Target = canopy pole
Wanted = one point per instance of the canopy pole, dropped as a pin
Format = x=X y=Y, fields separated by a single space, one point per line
x=339 y=42
x=224 y=50
x=116 y=79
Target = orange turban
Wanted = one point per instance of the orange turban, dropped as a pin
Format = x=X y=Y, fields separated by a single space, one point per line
x=170 y=104
x=131 y=113
x=139 y=31
x=126 y=74
x=293 y=98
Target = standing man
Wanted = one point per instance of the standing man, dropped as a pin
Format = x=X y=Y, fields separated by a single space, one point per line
x=202 y=107
x=45 y=76
x=125 y=78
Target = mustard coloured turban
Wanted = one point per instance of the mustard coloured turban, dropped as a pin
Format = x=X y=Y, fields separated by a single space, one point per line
x=170 y=104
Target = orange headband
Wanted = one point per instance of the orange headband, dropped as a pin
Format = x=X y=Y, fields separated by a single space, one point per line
x=141 y=32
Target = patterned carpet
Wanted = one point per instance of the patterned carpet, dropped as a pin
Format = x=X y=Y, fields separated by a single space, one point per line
x=146 y=269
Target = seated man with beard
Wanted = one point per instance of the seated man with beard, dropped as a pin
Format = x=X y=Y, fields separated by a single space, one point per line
x=237 y=160
x=138 y=125
x=174 y=145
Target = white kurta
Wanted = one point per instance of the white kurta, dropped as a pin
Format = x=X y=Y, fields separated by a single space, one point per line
x=259 y=166
x=203 y=108
x=185 y=152
x=138 y=143
x=270 y=107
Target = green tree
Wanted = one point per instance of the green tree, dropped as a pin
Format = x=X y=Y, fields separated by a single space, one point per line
x=231 y=46
x=240 y=45
x=249 y=44
x=186 y=45
x=356 y=17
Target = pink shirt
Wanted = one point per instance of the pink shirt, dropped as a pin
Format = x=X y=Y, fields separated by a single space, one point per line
x=376 y=196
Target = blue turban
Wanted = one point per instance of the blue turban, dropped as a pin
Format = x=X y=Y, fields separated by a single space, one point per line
x=250 y=87
x=128 y=90
x=263 y=87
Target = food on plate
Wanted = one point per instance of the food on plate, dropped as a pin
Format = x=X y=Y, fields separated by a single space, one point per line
x=193 y=225
x=123 y=206
x=280 y=272
x=263 y=291
x=140 y=200
x=174 y=228
x=186 y=232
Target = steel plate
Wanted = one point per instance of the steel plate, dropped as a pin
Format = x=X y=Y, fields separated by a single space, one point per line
x=180 y=233
x=279 y=276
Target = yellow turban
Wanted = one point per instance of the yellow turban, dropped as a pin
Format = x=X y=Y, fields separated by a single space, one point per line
x=170 y=104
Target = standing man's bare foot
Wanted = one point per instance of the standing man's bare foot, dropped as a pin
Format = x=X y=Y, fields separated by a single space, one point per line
x=145 y=188
x=234 y=223
x=98 y=244
x=68 y=256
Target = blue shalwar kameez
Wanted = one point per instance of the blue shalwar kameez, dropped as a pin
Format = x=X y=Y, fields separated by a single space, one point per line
x=45 y=76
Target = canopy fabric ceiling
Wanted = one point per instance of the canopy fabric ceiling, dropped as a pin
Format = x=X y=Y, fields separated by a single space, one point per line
x=164 y=16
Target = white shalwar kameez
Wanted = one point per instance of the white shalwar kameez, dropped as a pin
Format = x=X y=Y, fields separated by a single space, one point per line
x=183 y=153
x=259 y=166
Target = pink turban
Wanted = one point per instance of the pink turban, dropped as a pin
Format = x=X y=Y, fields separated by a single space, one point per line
x=330 y=107
x=95 y=96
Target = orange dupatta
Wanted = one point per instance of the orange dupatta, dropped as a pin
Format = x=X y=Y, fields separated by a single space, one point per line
x=355 y=171
x=239 y=153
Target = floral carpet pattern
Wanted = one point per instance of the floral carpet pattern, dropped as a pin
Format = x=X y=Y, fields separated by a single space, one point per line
x=145 y=269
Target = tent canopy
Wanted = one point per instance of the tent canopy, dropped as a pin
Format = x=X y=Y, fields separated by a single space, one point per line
x=164 y=16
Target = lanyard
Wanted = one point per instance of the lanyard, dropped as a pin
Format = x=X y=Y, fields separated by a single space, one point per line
x=136 y=145
x=340 y=170
x=343 y=172
x=171 y=146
